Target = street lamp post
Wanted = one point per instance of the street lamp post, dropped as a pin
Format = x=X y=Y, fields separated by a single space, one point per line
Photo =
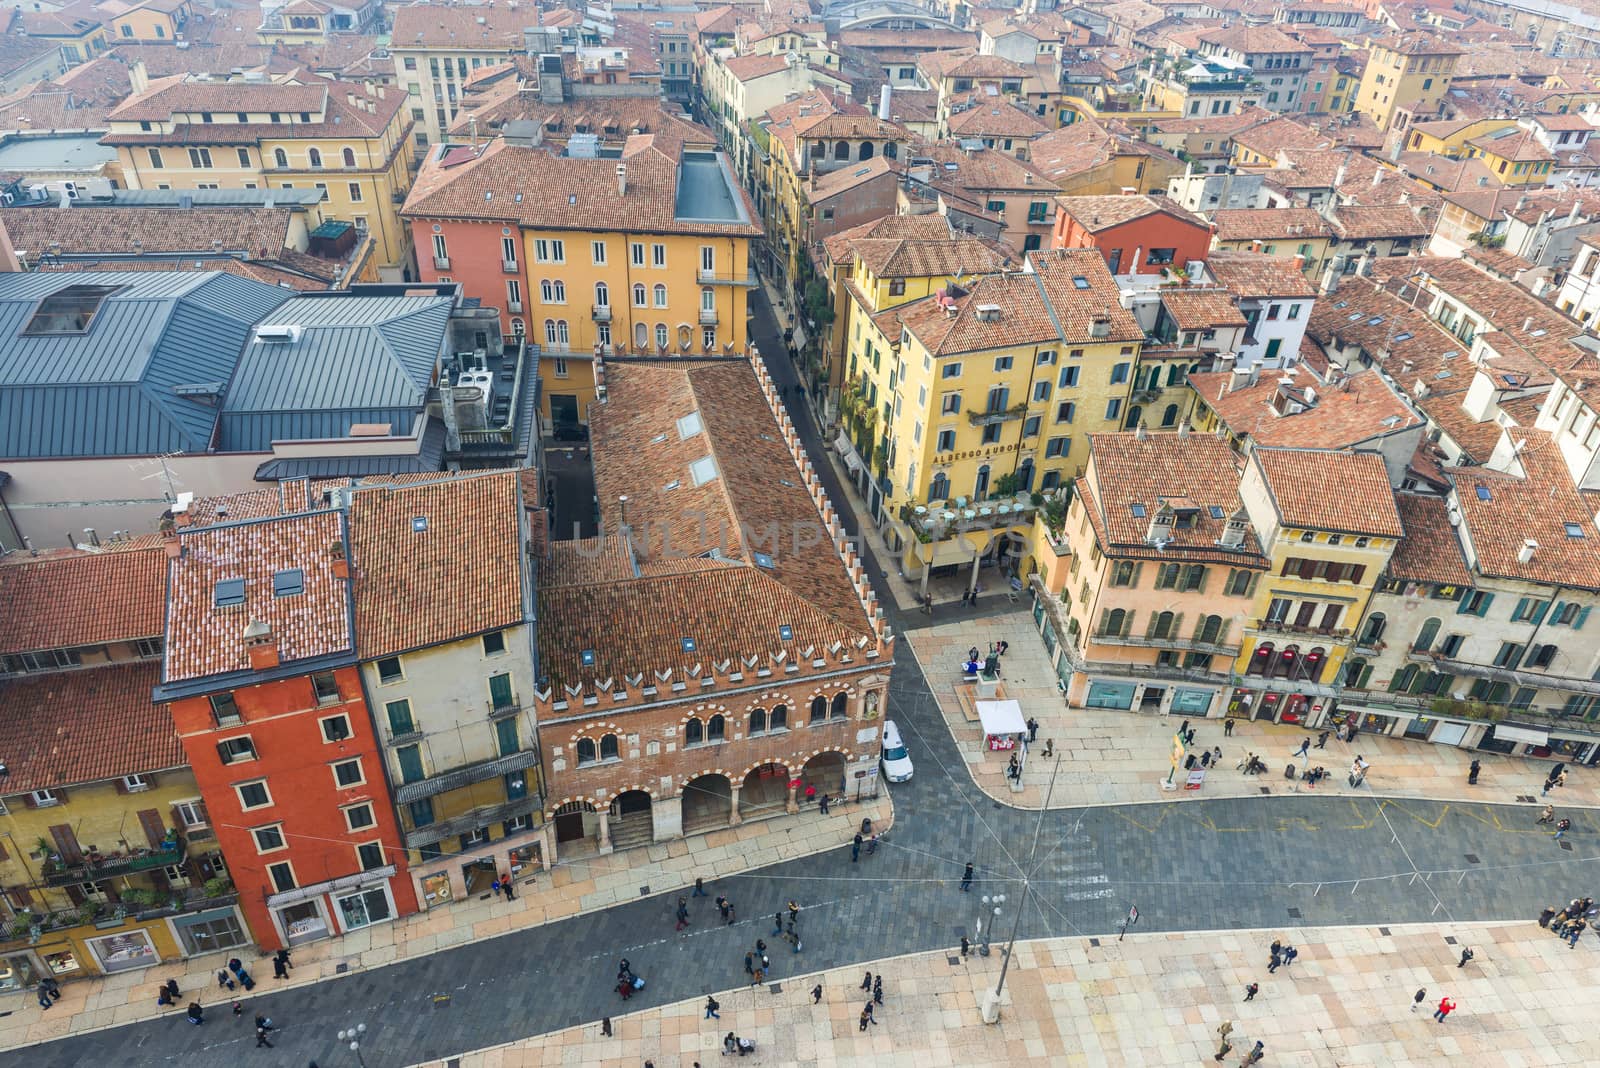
x=353 y=1035
x=991 y=1006
x=991 y=908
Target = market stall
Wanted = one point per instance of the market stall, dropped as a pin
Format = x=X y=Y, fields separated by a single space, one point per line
x=1003 y=724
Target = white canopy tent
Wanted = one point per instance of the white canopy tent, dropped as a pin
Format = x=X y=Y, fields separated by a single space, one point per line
x=1001 y=717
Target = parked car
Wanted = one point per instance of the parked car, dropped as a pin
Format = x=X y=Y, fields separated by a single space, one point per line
x=896 y=761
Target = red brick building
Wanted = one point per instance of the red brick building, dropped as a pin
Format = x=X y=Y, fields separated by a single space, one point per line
x=1136 y=234
x=260 y=670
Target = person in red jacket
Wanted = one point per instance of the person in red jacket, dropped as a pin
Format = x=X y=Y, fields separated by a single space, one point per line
x=1446 y=1006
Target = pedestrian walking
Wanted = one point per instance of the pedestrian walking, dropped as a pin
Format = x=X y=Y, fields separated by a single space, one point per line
x=263 y=1023
x=1574 y=931
x=496 y=886
x=506 y=885
x=1000 y=647
x=1419 y=997
x=966 y=878
x=1289 y=954
x=280 y=968
x=863 y=1020
x=760 y=977
x=777 y=923
x=52 y=987
x=225 y=980
x=711 y=1009
x=855 y=849
x=683 y=913
x=1277 y=948
x=1322 y=740
x=1255 y=1055
x=822 y=806
x=1250 y=991
x=816 y=994
x=1033 y=730
x=238 y=1009
x=1562 y=827
x=877 y=989
x=699 y=888
x=866 y=983
x=1227 y=728
x=1304 y=750
x=1277 y=961
x=749 y=964
x=868 y=1011
x=1466 y=955
x=45 y=1000
x=605 y=1027
x=1446 y=1007
x=1546 y=916
x=1223 y=1049
x=1546 y=816
x=1472 y=773
x=195 y=1014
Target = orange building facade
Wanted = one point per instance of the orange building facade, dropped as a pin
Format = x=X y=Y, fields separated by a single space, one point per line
x=1136 y=234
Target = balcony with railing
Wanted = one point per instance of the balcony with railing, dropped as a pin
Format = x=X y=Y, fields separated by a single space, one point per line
x=1298 y=630
x=708 y=317
x=986 y=416
x=600 y=313
x=465 y=775
x=1521 y=676
x=441 y=263
x=1194 y=643
x=947 y=519
x=96 y=866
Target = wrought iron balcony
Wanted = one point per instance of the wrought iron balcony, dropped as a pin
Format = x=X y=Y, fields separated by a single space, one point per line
x=95 y=866
x=456 y=778
x=1268 y=626
x=601 y=313
x=1170 y=642
x=997 y=415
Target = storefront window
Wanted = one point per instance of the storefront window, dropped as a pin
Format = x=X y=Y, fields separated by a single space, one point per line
x=1191 y=702
x=302 y=922
x=524 y=857
x=435 y=889
x=17 y=972
x=1118 y=695
x=207 y=932
x=120 y=952
x=62 y=963
x=363 y=908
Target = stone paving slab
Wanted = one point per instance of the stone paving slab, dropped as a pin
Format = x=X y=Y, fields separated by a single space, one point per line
x=1148 y=1000
x=570 y=888
x=1112 y=757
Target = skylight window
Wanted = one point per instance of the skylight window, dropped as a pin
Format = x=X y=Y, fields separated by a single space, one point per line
x=1574 y=530
x=586 y=657
x=689 y=645
x=764 y=560
x=1376 y=320
x=419 y=525
x=703 y=470
x=1137 y=509
x=786 y=633
x=1484 y=494
x=1079 y=282
x=1341 y=304
x=289 y=582
x=67 y=311
x=1407 y=336
x=1215 y=511
x=689 y=426
x=228 y=592
x=1353 y=316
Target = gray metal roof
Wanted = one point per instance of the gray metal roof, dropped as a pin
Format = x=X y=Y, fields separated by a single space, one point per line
x=429 y=458
x=172 y=198
x=111 y=391
x=357 y=360
x=56 y=153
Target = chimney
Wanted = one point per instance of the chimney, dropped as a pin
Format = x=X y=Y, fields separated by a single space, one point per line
x=1525 y=554
x=1527 y=324
x=8 y=252
x=1300 y=261
x=622 y=179
x=1141 y=432
x=884 y=102
x=138 y=76
x=1183 y=429
x=261 y=646
x=341 y=566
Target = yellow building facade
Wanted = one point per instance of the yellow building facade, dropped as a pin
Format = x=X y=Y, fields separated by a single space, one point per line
x=346 y=139
x=1409 y=73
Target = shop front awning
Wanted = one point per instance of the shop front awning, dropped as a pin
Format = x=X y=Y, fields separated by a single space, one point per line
x=1518 y=732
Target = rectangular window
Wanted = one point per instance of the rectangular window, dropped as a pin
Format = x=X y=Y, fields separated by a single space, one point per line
x=335 y=728
x=370 y=855
x=1065 y=411
x=505 y=733
x=500 y=692
x=359 y=817
x=950 y=404
x=347 y=773
x=636 y=253
x=409 y=757
x=224 y=711
x=1002 y=363
x=200 y=157
x=946 y=441
x=951 y=370
x=400 y=721
x=236 y=750
x=1068 y=379
x=421 y=812
x=1056 y=447
x=325 y=686
x=597 y=253
x=389 y=670
x=253 y=794
x=658 y=255
x=282 y=875
x=269 y=839
x=1119 y=374
x=508 y=251
x=1114 y=408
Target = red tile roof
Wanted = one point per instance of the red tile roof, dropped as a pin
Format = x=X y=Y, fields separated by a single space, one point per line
x=204 y=639
x=1347 y=492
x=84 y=726
x=1360 y=408
x=81 y=599
x=1096 y=213
x=458 y=577
x=1430 y=551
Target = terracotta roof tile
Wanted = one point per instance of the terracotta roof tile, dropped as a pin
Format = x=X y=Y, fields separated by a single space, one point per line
x=1076 y=306
x=1128 y=476
x=1362 y=407
x=1327 y=490
x=1430 y=551
x=81 y=599
x=1250 y=274
x=961 y=255
x=929 y=227
x=112 y=727
x=460 y=575
x=204 y=639
x=1096 y=213
x=1355 y=223
x=1268 y=224
x=1500 y=511
x=1202 y=309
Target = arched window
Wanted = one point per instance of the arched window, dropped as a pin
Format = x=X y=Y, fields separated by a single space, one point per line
x=1310 y=665
x=641 y=336
x=562 y=336
x=1372 y=632
x=280 y=158
x=939 y=488
x=549 y=331
x=1164 y=623
x=841 y=706
x=841 y=151
x=1425 y=636
x=349 y=157
x=694 y=732
x=314 y=157
x=1403 y=679
x=1116 y=621
x=708 y=299
x=585 y=751
x=518 y=327
x=1210 y=629
x=547 y=291
x=758 y=721
x=1283 y=666
x=559 y=291
x=662 y=337
x=980 y=487
x=1261 y=660
x=1025 y=475
x=819 y=709
x=661 y=296
x=891 y=150
x=779 y=720
x=865 y=152
x=1135 y=414
x=1170 y=416
x=716 y=728
x=608 y=747
x=1356 y=673
x=640 y=295
x=602 y=295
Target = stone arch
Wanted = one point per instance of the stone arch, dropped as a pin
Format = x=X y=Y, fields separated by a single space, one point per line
x=825 y=769
x=575 y=819
x=707 y=801
x=632 y=817
x=764 y=788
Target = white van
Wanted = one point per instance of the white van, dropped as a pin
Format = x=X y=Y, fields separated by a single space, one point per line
x=896 y=761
